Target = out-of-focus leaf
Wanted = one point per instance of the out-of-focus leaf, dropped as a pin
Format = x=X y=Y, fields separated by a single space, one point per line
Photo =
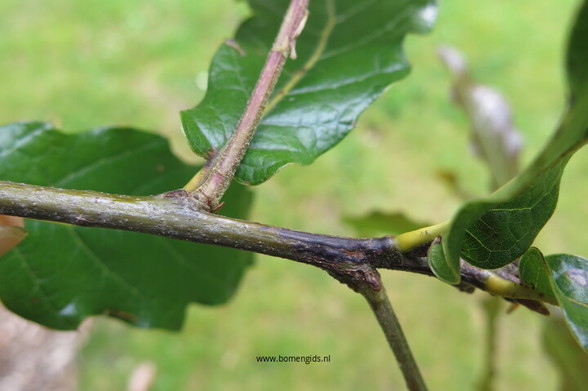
x=450 y=179
x=494 y=137
x=496 y=230
x=577 y=57
x=62 y=274
x=12 y=232
x=569 y=358
x=380 y=223
x=569 y=276
x=347 y=55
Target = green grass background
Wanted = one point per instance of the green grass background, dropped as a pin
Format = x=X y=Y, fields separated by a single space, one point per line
x=93 y=63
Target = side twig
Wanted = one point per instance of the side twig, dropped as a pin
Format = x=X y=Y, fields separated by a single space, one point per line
x=375 y=294
x=210 y=185
x=491 y=307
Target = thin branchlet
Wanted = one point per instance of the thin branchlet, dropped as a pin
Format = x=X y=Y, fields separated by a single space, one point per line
x=178 y=215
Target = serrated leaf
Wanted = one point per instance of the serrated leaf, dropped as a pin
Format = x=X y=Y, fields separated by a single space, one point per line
x=534 y=272
x=62 y=274
x=494 y=231
x=569 y=277
x=347 y=55
x=380 y=223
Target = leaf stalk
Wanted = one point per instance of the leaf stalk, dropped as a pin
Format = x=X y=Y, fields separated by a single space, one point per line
x=409 y=240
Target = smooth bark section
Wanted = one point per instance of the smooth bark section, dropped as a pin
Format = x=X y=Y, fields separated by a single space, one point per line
x=210 y=186
x=491 y=307
x=178 y=215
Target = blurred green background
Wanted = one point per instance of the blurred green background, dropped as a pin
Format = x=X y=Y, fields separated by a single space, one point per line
x=86 y=64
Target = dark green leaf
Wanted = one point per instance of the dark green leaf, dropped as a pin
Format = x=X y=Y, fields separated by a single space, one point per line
x=439 y=264
x=569 y=275
x=578 y=53
x=492 y=232
x=379 y=223
x=534 y=272
x=564 y=277
x=62 y=274
x=348 y=53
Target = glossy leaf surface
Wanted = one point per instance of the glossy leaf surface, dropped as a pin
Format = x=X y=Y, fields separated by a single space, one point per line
x=569 y=276
x=62 y=274
x=564 y=277
x=347 y=55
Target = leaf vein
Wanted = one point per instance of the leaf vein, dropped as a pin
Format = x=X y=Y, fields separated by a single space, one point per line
x=312 y=60
x=101 y=265
x=97 y=164
x=183 y=260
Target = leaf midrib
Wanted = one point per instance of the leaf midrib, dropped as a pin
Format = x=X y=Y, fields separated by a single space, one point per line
x=312 y=60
